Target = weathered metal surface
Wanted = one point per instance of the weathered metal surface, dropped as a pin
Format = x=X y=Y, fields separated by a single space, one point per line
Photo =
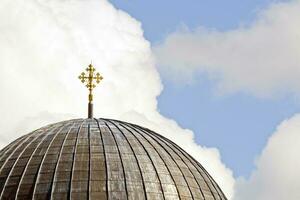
x=101 y=159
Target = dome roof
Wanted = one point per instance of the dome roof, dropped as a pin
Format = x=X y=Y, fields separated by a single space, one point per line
x=101 y=159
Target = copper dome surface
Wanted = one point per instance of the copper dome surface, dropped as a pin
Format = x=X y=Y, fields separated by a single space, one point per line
x=101 y=159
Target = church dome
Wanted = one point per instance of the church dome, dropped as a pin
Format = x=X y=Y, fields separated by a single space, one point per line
x=101 y=159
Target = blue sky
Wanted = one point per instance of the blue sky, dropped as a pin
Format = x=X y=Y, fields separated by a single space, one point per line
x=229 y=70
x=162 y=17
x=238 y=124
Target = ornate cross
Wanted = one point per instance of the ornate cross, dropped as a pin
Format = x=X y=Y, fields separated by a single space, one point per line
x=89 y=79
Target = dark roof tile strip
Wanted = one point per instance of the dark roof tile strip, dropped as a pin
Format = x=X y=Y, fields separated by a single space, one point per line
x=30 y=159
x=19 y=145
x=36 y=178
x=23 y=148
x=197 y=165
x=120 y=156
x=105 y=161
x=73 y=160
x=143 y=178
x=148 y=154
x=58 y=160
x=175 y=183
x=167 y=145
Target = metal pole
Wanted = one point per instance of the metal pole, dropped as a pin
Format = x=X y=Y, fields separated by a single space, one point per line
x=90 y=109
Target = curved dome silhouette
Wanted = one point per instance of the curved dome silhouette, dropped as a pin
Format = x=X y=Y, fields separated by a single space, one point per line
x=101 y=159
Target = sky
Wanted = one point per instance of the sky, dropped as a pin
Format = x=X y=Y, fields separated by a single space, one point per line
x=161 y=18
x=238 y=124
x=220 y=79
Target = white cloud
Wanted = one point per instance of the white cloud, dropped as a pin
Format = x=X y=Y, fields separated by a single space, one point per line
x=262 y=59
x=277 y=175
x=44 y=45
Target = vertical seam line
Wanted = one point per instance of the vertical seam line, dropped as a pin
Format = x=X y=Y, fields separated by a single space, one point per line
x=73 y=160
x=89 y=173
x=44 y=156
x=154 y=137
x=192 y=160
x=58 y=159
x=143 y=181
x=159 y=141
x=120 y=159
x=163 y=194
x=165 y=164
x=27 y=164
x=104 y=155
x=11 y=146
x=17 y=146
x=17 y=159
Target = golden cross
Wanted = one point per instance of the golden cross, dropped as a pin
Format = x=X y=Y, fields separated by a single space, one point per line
x=89 y=79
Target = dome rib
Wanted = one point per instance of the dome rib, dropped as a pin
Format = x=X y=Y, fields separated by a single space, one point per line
x=120 y=157
x=184 y=164
x=59 y=157
x=45 y=131
x=101 y=159
x=22 y=148
x=207 y=179
x=159 y=153
x=134 y=154
x=78 y=188
x=38 y=176
x=163 y=160
x=215 y=192
x=152 y=162
x=195 y=163
x=104 y=158
x=9 y=148
x=174 y=160
x=29 y=160
x=8 y=152
x=140 y=171
x=89 y=173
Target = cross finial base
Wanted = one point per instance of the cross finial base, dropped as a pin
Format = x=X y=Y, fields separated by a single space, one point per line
x=90 y=110
x=89 y=79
